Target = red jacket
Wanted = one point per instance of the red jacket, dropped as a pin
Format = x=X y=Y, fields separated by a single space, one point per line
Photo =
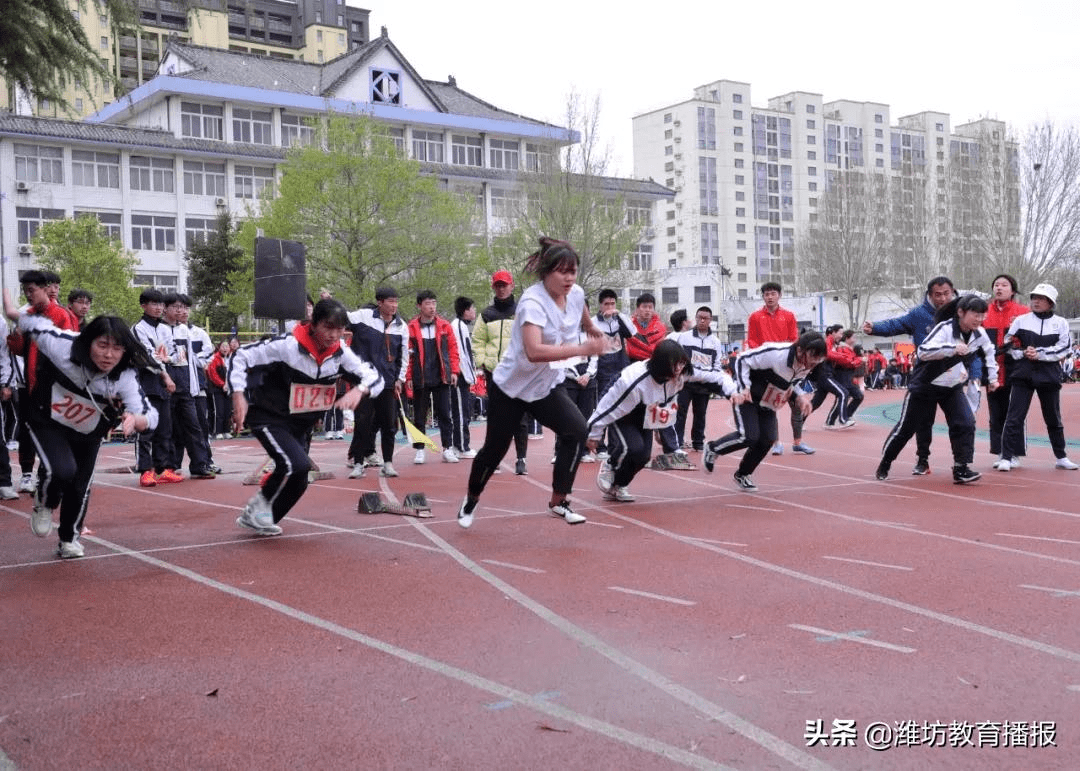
x=996 y=325
x=217 y=370
x=61 y=318
x=641 y=345
x=841 y=355
x=445 y=344
x=764 y=327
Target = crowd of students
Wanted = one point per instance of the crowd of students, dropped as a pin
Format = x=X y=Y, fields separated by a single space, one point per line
x=605 y=383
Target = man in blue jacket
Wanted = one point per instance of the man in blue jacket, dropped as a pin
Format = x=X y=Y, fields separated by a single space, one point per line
x=918 y=322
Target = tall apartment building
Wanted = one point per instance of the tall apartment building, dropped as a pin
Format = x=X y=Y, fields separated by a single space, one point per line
x=210 y=132
x=305 y=30
x=748 y=182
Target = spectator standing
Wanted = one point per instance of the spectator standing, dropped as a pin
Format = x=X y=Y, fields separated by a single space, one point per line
x=1003 y=309
x=434 y=367
x=461 y=395
x=619 y=328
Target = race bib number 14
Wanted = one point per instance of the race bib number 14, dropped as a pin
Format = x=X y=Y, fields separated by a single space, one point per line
x=309 y=397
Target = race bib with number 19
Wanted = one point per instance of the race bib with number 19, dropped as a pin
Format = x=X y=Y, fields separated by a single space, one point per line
x=659 y=415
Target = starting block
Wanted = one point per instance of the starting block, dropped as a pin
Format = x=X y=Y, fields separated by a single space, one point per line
x=671 y=462
x=414 y=505
x=258 y=476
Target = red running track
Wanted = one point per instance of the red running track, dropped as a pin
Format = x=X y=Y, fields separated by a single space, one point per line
x=699 y=626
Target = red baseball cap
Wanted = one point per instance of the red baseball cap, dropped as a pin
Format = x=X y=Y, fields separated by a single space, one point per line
x=502 y=277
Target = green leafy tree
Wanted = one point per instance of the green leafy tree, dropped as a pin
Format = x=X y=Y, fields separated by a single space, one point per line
x=84 y=255
x=44 y=48
x=569 y=197
x=368 y=216
x=213 y=267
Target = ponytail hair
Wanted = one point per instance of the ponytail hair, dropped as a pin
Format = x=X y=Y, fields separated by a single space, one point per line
x=968 y=302
x=553 y=255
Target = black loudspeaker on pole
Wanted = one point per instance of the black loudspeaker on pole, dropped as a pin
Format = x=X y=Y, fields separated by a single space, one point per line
x=280 y=279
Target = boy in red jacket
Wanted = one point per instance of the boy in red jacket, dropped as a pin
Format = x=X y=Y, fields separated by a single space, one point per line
x=648 y=329
x=433 y=369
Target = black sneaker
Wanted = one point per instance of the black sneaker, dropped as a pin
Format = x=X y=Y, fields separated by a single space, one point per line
x=519 y=467
x=882 y=472
x=744 y=481
x=922 y=468
x=963 y=475
x=708 y=459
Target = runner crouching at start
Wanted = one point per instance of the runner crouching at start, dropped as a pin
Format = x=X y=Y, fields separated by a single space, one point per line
x=298 y=384
x=642 y=400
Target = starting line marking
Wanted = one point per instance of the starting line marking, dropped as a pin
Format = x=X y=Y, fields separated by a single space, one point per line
x=1051 y=590
x=871 y=564
x=510 y=565
x=853 y=637
x=651 y=596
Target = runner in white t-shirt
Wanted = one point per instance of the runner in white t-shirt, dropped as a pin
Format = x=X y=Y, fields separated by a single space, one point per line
x=543 y=341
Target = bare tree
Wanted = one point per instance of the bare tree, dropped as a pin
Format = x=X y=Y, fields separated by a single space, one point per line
x=847 y=249
x=571 y=198
x=1050 y=201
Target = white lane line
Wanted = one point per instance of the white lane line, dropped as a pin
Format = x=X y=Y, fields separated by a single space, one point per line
x=944 y=618
x=752 y=508
x=794 y=755
x=1053 y=591
x=854 y=638
x=651 y=596
x=871 y=564
x=889 y=495
x=721 y=543
x=510 y=565
x=471 y=679
x=1037 y=538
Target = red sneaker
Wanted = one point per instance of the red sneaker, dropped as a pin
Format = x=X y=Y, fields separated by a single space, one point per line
x=147 y=479
x=167 y=476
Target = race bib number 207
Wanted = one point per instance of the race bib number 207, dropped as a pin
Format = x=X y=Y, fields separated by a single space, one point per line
x=309 y=397
x=74 y=411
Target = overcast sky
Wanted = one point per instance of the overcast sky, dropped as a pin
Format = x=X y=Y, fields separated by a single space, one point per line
x=1017 y=62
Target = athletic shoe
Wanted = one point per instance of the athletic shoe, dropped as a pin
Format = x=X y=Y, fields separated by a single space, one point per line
x=709 y=458
x=449 y=456
x=146 y=480
x=778 y=448
x=373 y=461
x=620 y=494
x=553 y=460
x=962 y=475
x=41 y=520
x=681 y=456
x=388 y=470
x=204 y=473
x=8 y=494
x=1004 y=464
x=520 y=468
x=1062 y=463
x=27 y=484
x=997 y=463
x=833 y=426
x=602 y=455
x=1015 y=462
x=420 y=457
x=216 y=468
x=744 y=481
x=69 y=550
x=882 y=472
x=13 y=445
x=849 y=423
x=921 y=468
x=536 y=436
x=168 y=476
x=587 y=459
x=803 y=449
x=464 y=516
x=606 y=478
x=562 y=510
x=357 y=471
x=467 y=454
x=258 y=517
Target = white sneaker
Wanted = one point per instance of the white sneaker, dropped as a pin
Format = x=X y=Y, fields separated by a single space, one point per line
x=588 y=459
x=8 y=493
x=420 y=457
x=41 y=521
x=468 y=454
x=258 y=517
x=69 y=550
x=357 y=471
x=562 y=510
x=27 y=484
x=465 y=518
x=602 y=455
x=620 y=494
x=13 y=445
x=1004 y=465
x=449 y=456
x=606 y=478
x=552 y=460
x=1062 y=463
x=373 y=461
x=388 y=470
